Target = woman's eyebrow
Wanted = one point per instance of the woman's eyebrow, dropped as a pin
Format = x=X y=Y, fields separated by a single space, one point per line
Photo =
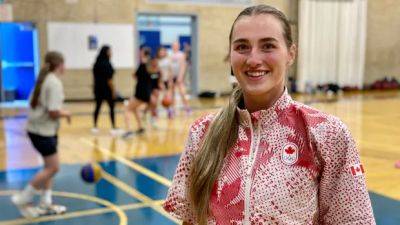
x=268 y=39
x=244 y=40
x=240 y=40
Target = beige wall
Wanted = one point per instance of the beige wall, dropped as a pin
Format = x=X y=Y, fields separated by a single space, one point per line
x=383 y=40
x=77 y=83
x=383 y=55
x=214 y=24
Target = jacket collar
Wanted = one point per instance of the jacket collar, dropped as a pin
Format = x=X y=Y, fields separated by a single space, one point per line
x=265 y=115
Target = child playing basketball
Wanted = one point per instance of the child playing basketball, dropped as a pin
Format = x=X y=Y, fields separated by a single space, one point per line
x=143 y=92
x=167 y=81
x=43 y=124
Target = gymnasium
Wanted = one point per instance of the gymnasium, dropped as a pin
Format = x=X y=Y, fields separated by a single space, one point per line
x=347 y=65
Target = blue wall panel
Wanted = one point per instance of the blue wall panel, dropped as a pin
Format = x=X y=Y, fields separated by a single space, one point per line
x=150 y=39
x=18 y=48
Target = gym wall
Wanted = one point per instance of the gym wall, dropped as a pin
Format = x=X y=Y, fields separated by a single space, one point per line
x=214 y=21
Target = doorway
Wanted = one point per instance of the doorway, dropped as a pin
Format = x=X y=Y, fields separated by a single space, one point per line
x=158 y=29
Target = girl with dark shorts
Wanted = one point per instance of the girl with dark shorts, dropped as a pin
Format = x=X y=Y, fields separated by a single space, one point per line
x=43 y=124
x=156 y=87
x=143 y=94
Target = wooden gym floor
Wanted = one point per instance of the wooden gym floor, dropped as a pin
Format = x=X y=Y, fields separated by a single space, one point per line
x=138 y=171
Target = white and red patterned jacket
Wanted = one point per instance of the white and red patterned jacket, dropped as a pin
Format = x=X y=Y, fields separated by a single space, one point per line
x=291 y=165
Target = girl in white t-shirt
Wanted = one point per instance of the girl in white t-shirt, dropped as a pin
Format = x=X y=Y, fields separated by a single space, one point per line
x=43 y=123
x=164 y=62
x=178 y=68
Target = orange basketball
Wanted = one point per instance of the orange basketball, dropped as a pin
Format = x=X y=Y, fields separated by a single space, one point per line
x=166 y=101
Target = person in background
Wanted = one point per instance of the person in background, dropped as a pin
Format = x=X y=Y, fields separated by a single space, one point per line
x=46 y=110
x=144 y=54
x=143 y=92
x=178 y=70
x=104 y=89
x=156 y=87
x=166 y=76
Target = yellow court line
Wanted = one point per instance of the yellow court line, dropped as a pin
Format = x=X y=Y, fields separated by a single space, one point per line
x=110 y=208
x=138 y=195
x=76 y=214
x=160 y=179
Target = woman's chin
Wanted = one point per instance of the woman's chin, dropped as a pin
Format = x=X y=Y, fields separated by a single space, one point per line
x=255 y=90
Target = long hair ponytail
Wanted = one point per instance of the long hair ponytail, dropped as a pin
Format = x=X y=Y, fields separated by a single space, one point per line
x=223 y=131
x=219 y=138
x=52 y=61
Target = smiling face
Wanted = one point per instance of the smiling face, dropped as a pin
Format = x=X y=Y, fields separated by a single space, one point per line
x=259 y=54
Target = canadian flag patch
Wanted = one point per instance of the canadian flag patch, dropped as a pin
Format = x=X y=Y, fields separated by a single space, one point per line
x=357 y=170
x=290 y=154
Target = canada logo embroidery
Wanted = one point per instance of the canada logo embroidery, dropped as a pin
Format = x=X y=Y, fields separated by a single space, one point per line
x=290 y=154
x=357 y=170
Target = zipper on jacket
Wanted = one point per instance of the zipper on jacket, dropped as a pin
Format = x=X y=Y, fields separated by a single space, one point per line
x=255 y=141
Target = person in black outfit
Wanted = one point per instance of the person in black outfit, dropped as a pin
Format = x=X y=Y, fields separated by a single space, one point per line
x=143 y=93
x=144 y=54
x=156 y=87
x=103 y=73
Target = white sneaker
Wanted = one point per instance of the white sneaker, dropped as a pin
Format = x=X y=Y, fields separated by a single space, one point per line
x=20 y=199
x=24 y=205
x=128 y=134
x=94 y=130
x=29 y=211
x=44 y=209
x=126 y=102
x=153 y=122
x=116 y=132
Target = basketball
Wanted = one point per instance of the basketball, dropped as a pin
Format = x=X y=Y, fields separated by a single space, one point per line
x=91 y=173
x=166 y=101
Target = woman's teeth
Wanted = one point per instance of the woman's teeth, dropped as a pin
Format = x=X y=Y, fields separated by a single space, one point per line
x=257 y=73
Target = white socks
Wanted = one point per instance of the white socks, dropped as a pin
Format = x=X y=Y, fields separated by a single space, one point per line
x=46 y=197
x=28 y=193
x=25 y=196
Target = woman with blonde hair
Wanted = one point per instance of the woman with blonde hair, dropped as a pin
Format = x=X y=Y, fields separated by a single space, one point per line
x=265 y=158
x=44 y=116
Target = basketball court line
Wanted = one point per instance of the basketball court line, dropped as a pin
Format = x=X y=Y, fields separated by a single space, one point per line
x=146 y=201
x=152 y=175
x=138 y=195
x=110 y=207
x=77 y=214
